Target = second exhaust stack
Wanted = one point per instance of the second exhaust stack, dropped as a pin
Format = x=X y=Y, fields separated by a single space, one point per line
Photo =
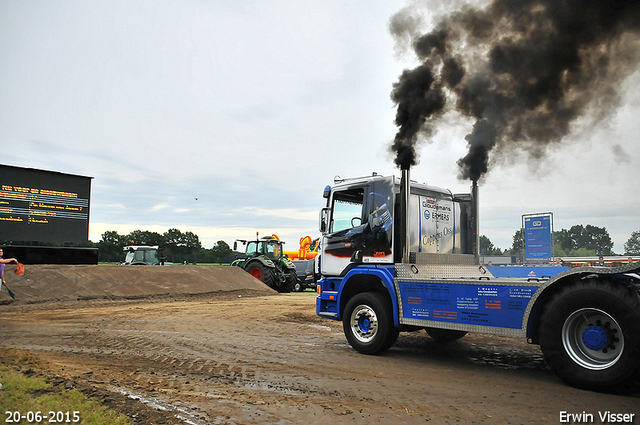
x=405 y=193
x=475 y=221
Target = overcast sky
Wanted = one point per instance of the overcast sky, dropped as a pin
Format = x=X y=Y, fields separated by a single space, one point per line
x=224 y=118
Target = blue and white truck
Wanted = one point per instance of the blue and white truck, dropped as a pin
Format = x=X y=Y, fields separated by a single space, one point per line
x=400 y=256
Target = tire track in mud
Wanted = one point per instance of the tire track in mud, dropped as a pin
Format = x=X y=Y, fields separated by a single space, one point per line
x=184 y=365
x=157 y=372
x=208 y=361
x=191 y=357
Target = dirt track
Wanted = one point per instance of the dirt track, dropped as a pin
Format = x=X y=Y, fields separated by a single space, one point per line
x=243 y=356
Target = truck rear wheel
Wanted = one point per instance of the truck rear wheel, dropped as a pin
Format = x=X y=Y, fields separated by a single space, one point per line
x=368 y=323
x=590 y=337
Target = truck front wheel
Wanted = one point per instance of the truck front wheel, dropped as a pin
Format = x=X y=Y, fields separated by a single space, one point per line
x=590 y=337
x=368 y=323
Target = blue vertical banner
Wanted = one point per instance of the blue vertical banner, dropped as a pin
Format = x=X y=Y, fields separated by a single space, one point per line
x=537 y=237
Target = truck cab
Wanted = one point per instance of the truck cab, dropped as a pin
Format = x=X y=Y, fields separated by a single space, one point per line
x=358 y=223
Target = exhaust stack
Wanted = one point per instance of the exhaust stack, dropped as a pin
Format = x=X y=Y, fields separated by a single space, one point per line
x=475 y=221
x=405 y=194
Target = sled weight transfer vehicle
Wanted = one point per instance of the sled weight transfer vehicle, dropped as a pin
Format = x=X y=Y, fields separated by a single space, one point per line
x=400 y=256
x=264 y=259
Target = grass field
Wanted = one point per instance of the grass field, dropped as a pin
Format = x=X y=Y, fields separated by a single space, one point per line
x=32 y=399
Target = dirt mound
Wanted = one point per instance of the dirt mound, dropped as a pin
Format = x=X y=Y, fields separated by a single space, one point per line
x=45 y=283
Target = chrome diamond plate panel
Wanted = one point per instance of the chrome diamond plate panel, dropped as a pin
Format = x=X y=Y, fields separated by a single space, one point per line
x=451 y=259
x=421 y=271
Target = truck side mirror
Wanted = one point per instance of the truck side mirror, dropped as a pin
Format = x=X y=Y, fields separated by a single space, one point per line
x=356 y=221
x=235 y=245
x=324 y=220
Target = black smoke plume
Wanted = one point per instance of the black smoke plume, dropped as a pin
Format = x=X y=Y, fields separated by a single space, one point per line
x=522 y=70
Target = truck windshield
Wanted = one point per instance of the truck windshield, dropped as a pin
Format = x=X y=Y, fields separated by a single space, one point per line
x=361 y=221
x=347 y=206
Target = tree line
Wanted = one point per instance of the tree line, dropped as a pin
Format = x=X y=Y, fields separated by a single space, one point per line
x=577 y=241
x=177 y=246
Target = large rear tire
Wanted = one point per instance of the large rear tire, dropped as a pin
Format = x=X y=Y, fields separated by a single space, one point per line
x=368 y=323
x=590 y=337
x=261 y=272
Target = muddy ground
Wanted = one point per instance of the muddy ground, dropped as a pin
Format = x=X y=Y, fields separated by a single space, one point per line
x=203 y=345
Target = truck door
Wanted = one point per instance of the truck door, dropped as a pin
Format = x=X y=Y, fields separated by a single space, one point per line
x=360 y=227
x=345 y=225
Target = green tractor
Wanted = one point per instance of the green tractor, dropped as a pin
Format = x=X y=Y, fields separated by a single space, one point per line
x=264 y=259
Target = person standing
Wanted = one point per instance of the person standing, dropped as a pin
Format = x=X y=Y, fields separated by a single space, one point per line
x=4 y=261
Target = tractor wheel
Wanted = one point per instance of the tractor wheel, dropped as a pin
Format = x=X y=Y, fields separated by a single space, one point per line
x=261 y=272
x=289 y=283
x=368 y=323
x=590 y=337
x=445 y=335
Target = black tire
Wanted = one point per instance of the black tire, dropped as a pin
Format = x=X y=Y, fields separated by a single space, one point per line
x=261 y=272
x=445 y=335
x=590 y=335
x=298 y=286
x=368 y=323
x=391 y=339
x=289 y=283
